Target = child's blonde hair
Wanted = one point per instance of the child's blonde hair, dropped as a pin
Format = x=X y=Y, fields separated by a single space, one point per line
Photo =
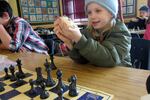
x=109 y=26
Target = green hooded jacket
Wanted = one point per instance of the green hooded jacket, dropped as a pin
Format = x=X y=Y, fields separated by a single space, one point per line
x=114 y=50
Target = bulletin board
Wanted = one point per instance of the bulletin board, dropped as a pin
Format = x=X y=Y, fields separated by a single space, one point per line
x=129 y=8
x=39 y=11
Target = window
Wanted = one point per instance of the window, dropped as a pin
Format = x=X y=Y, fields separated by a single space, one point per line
x=129 y=8
x=75 y=10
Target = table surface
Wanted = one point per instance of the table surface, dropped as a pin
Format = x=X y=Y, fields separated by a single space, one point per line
x=124 y=83
x=137 y=31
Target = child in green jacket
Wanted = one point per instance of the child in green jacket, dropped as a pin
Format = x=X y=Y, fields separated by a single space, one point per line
x=105 y=42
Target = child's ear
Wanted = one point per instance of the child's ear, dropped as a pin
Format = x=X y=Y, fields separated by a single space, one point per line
x=5 y=15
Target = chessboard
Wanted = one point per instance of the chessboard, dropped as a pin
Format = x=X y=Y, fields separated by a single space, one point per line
x=13 y=91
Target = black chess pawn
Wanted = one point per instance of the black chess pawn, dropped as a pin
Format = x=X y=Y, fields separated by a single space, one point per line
x=12 y=71
x=1 y=87
x=72 y=86
x=20 y=72
x=7 y=76
x=52 y=64
x=32 y=90
x=148 y=84
x=60 y=83
x=49 y=82
x=44 y=94
x=39 y=78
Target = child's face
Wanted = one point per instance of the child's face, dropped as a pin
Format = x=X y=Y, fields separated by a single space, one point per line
x=143 y=14
x=4 y=19
x=98 y=16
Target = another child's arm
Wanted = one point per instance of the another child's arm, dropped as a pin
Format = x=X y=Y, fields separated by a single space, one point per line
x=4 y=37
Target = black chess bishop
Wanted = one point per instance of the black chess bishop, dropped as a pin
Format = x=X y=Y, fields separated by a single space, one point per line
x=49 y=81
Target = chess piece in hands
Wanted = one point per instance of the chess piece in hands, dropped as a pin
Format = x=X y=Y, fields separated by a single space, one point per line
x=64 y=27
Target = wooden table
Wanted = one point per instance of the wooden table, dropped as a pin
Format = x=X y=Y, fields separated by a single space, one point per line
x=124 y=83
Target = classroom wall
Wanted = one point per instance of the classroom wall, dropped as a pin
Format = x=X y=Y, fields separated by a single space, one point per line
x=13 y=4
x=140 y=3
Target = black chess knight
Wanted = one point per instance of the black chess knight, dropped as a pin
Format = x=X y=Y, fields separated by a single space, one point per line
x=72 y=87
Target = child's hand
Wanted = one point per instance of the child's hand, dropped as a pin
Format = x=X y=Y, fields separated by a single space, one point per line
x=66 y=27
x=59 y=34
x=23 y=50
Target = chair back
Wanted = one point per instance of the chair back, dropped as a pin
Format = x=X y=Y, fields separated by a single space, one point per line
x=140 y=53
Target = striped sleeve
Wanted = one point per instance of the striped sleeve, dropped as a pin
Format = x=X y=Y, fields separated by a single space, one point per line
x=20 y=35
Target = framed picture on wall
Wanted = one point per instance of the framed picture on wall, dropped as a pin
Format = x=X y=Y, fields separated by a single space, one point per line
x=38 y=11
x=129 y=8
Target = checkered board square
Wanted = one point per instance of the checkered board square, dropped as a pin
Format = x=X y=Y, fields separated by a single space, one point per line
x=15 y=92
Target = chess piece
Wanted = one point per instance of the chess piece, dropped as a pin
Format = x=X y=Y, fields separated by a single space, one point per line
x=52 y=64
x=20 y=72
x=1 y=87
x=72 y=86
x=49 y=82
x=7 y=76
x=60 y=83
x=60 y=94
x=51 y=46
x=40 y=78
x=148 y=84
x=12 y=71
x=19 y=81
x=44 y=94
x=32 y=90
x=47 y=64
